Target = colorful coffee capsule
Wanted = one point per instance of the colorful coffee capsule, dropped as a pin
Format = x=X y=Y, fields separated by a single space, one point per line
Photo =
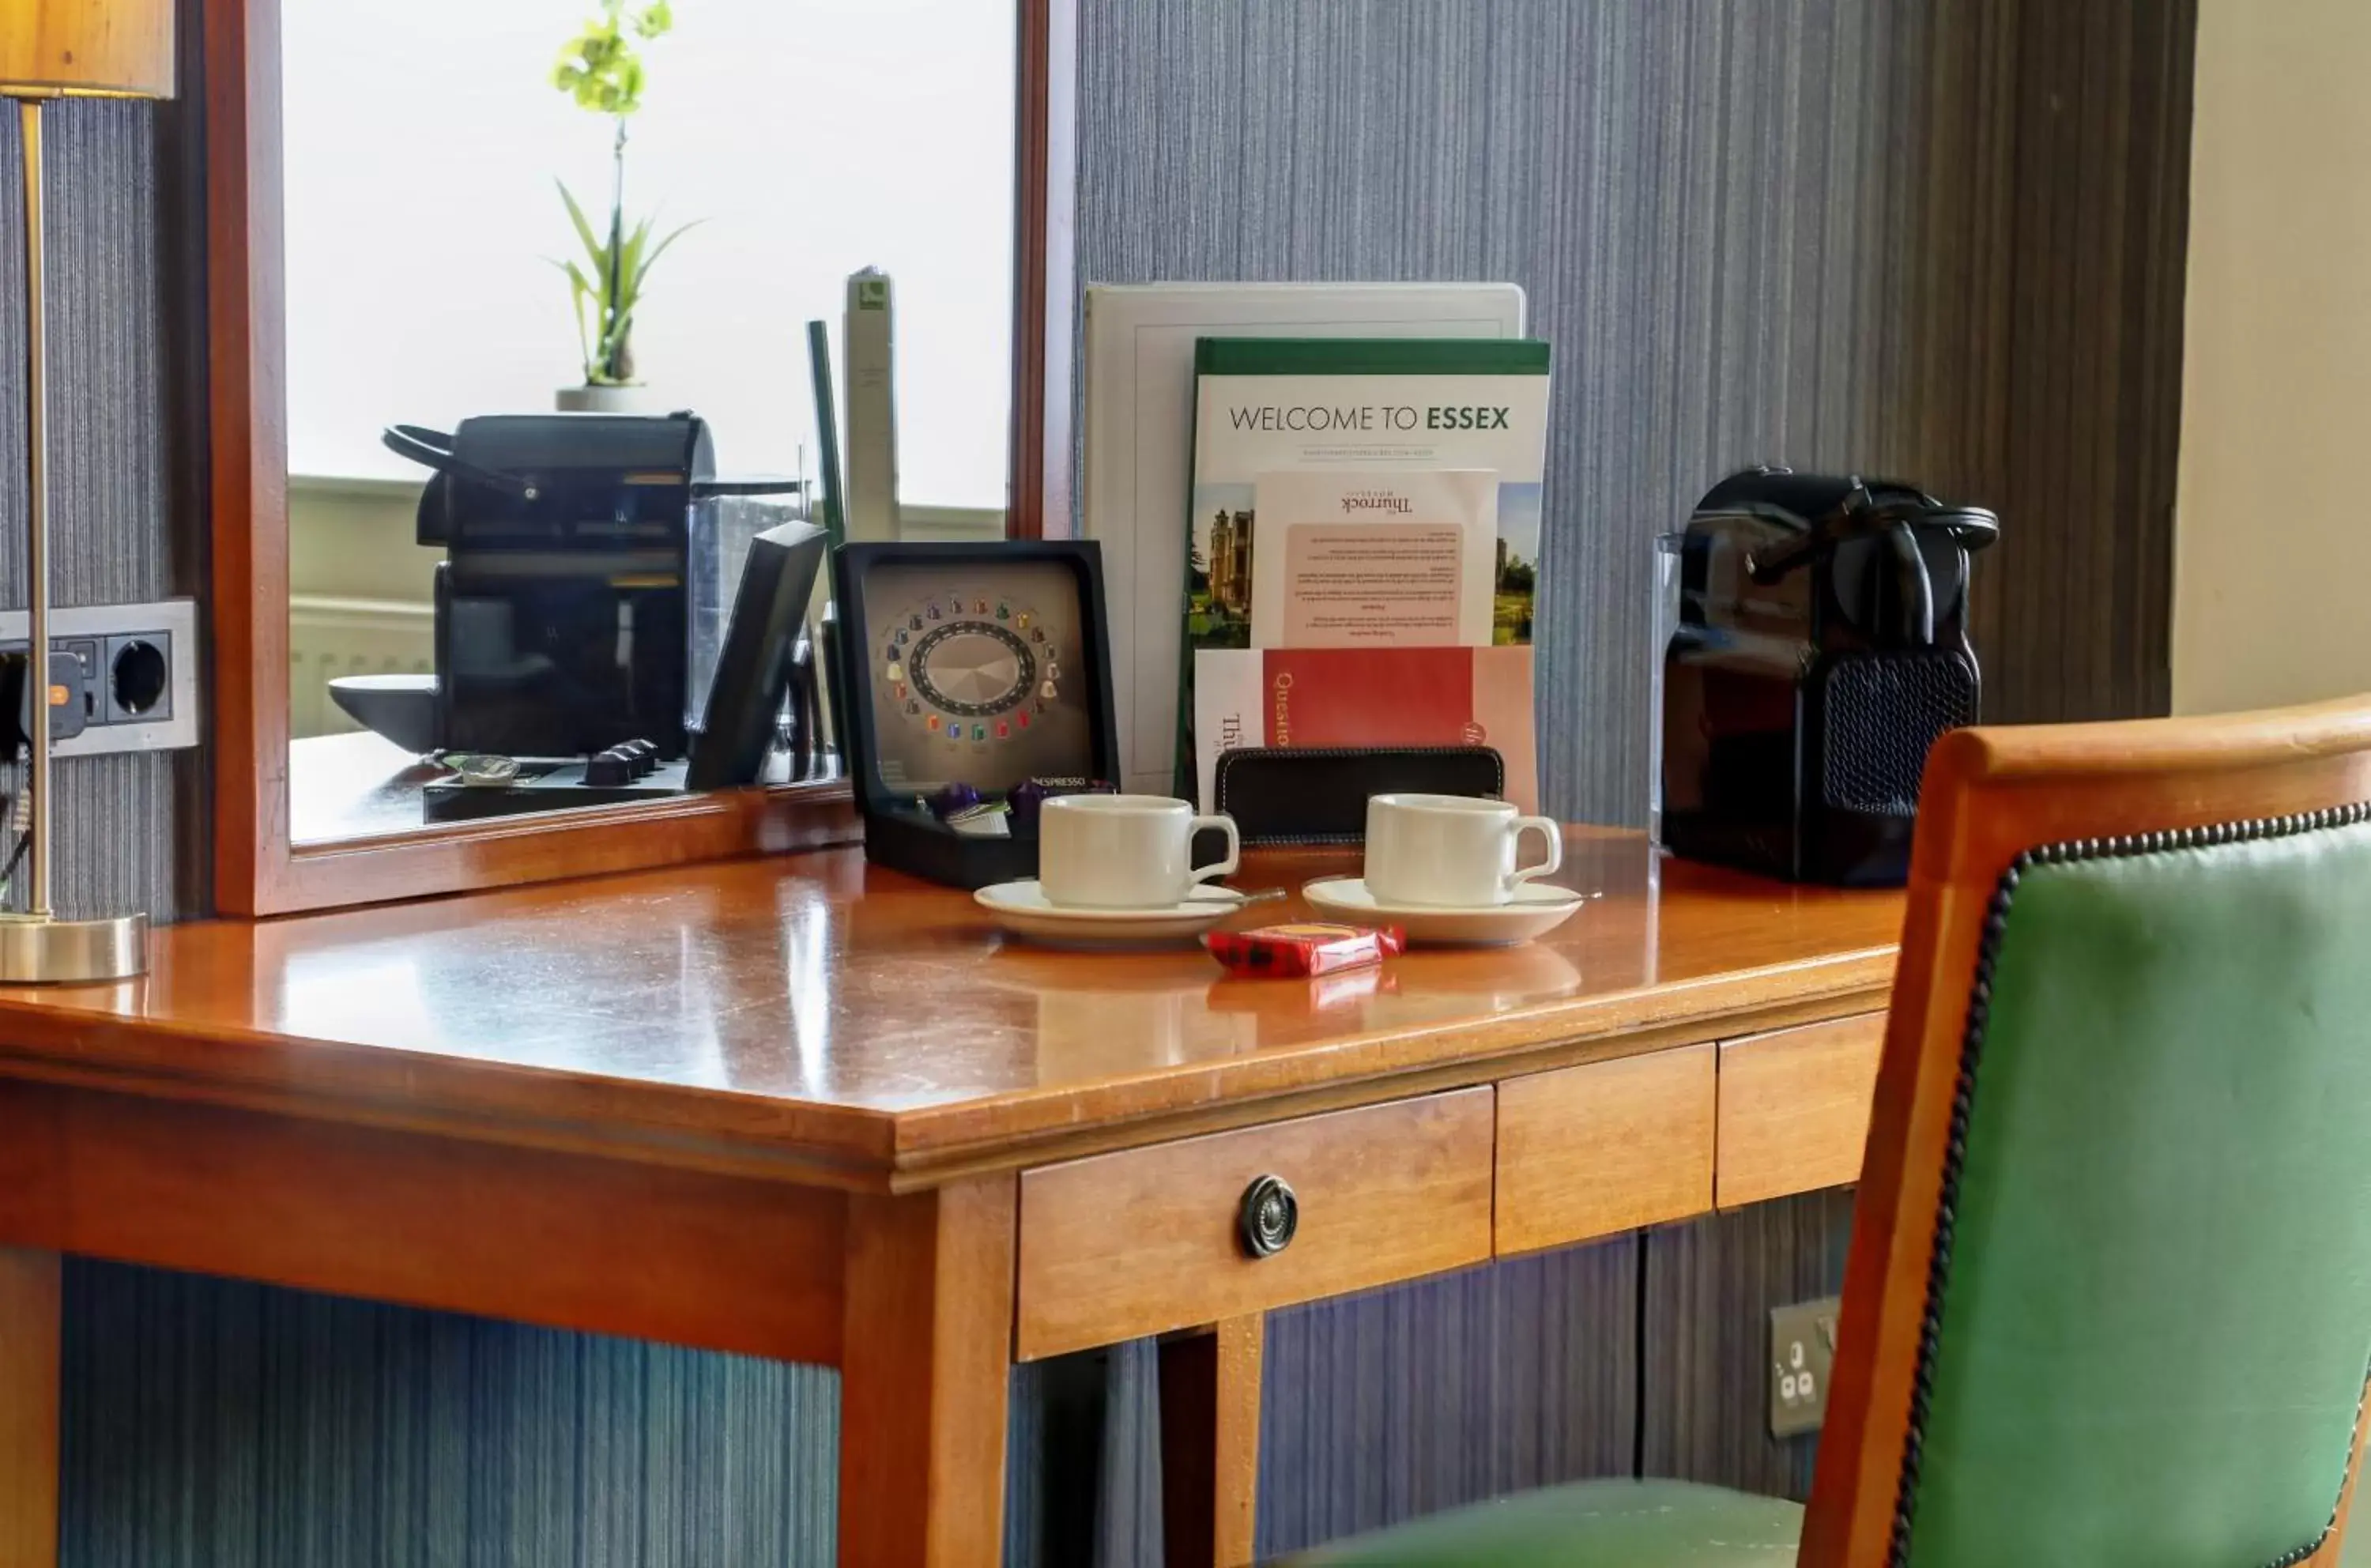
x=954 y=797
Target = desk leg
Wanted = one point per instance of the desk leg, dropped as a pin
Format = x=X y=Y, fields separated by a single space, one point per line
x=926 y=1358
x=30 y=1326
x=1210 y=1444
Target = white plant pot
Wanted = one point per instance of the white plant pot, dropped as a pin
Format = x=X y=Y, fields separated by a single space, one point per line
x=634 y=399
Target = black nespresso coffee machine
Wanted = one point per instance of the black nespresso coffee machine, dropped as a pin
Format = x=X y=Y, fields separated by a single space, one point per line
x=1821 y=647
x=589 y=559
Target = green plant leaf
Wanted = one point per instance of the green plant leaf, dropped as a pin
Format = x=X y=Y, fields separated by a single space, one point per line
x=647 y=263
x=629 y=272
x=629 y=255
x=593 y=246
x=580 y=292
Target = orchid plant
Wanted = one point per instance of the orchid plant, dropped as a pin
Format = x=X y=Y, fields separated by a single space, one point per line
x=601 y=69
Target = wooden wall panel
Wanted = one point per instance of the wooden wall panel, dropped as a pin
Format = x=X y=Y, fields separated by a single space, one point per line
x=2058 y=199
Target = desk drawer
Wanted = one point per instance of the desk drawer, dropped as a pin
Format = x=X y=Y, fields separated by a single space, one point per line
x=1794 y=1108
x=1129 y=1244
x=1606 y=1146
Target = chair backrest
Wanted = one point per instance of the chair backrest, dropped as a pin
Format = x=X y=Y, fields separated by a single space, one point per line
x=2109 y=1299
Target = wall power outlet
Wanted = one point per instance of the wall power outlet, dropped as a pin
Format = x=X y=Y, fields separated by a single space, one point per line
x=140 y=672
x=1802 y=1355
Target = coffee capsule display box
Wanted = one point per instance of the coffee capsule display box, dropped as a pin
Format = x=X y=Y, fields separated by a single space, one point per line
x=986 y=665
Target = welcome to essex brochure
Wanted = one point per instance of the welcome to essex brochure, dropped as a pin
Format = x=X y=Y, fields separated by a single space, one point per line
x=1354 y=494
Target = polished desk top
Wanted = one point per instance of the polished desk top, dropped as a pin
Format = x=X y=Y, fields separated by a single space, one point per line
x=846 y=1023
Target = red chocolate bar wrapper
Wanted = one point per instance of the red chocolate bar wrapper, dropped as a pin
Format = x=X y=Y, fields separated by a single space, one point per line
x=1303 y=947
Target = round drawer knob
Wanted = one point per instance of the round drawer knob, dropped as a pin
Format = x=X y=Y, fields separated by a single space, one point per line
x=1269 y=1216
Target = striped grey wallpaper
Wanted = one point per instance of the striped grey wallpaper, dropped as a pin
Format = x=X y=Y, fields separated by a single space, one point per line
x=1384 y=1407
x=1938 y=237
x=120 y=819
x=1706 y=1346
x=212 y=1424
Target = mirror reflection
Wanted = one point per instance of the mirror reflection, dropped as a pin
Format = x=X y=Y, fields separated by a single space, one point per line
x=571 y=289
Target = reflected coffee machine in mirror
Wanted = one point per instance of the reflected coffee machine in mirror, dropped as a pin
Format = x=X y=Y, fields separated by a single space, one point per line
x=581 y=602
x=592 y=565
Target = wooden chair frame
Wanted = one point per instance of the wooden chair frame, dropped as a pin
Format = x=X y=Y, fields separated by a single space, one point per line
x=1991 y=796
x=257 y=870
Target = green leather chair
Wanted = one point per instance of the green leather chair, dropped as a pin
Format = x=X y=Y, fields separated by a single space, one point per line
x=2109 y=1300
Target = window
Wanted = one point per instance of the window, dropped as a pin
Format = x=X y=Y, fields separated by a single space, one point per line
x=806 y=139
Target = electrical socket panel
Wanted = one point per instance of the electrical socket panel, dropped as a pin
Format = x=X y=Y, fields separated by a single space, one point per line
x=1802 y=1357
x=140 y=669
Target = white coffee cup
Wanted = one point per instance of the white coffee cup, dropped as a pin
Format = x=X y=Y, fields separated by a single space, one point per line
x=1450 y=851
x=1124 y=851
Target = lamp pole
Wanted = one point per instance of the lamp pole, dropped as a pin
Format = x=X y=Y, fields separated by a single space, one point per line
x=36 y=547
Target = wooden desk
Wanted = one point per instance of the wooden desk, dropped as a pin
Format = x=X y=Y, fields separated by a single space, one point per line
x=801 y=1109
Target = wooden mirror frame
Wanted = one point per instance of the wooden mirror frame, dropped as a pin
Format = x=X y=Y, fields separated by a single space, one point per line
x=257 y=870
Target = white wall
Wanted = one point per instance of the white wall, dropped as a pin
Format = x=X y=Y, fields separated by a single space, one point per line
x=2273 y=542
x=809 y=138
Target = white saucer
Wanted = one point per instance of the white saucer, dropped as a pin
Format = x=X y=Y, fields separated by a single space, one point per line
x=1022 y=909
x=1535 y=911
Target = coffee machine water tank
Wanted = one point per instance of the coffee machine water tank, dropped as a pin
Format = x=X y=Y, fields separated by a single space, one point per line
x=1821 y=650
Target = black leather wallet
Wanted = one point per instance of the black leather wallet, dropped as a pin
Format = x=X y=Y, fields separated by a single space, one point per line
x=1281 y=795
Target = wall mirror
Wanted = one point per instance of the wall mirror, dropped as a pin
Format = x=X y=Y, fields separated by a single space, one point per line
x=509 y=307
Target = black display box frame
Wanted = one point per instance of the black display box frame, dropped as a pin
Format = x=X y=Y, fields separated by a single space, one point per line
x=897 y=833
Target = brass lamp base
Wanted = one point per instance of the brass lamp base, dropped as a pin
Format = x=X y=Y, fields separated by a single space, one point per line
x=38 y=951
